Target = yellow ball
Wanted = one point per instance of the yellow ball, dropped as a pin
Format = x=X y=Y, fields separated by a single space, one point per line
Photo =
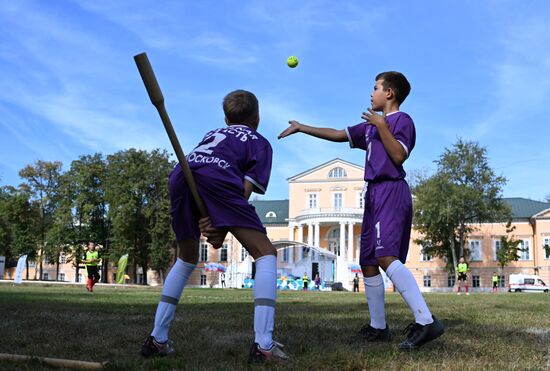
x=292 y=61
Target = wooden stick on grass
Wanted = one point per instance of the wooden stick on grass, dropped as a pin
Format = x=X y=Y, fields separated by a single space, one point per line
x=57 y=362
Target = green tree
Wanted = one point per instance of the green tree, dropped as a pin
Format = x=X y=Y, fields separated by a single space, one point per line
x=508 y=250
x=137 y=192
x=464 y=192
x=18 y=224
x=42 y=182
x=82 y=214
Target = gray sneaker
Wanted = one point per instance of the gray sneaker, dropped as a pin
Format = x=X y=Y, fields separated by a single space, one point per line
x=152 y=348
x=274 y=354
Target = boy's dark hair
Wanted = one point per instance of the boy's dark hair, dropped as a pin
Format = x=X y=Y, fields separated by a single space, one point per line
x=397 y=82
x=240 y=106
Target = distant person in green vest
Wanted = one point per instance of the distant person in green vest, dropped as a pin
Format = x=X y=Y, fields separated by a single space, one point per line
x=91 y=262
x=495 y=282
x=305 y=279
x=356 y=283
x=462 y=269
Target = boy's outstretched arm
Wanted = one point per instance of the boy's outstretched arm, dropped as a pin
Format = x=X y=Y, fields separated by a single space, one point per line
x=333 y=135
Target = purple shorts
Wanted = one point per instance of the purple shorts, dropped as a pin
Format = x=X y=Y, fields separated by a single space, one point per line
x=226 y=206
x=387 y=220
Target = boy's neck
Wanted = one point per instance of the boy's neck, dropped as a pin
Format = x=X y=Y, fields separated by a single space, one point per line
x=390 y=107
x=246 y=125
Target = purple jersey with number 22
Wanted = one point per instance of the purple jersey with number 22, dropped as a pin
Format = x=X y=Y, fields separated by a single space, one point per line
x=387 y=218
x=220 y=163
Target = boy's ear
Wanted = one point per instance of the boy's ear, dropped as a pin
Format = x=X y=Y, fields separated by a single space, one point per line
x=389 y=94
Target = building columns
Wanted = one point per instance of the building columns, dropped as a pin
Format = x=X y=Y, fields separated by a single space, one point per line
x=291 y=248
x=350 y=241
x=316 y=228
x=342 y=239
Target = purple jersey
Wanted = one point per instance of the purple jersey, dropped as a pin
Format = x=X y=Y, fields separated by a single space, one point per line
x=378 y=164
x=232 y=154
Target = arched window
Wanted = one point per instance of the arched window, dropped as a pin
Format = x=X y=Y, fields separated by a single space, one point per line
x=270 y=214
x=337 y=172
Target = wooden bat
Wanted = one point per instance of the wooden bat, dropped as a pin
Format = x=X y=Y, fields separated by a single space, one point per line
x=57 y=362
x=153 y=88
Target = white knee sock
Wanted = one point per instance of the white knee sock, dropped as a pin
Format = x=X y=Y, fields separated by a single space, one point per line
x=405 y=283
x=171 y=293
x=374 y=291
x=265 y=294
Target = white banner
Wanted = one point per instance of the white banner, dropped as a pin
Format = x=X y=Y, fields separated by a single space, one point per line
x=19 y=269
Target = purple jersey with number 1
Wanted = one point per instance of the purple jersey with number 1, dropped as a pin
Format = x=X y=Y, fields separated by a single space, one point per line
x=387 y=218
x=220 y=163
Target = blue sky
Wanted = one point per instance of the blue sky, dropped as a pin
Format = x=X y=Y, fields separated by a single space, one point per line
x=479 y=70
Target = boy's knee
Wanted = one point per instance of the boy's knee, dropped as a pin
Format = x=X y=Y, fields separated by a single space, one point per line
x=385 y=261
x=188 y=251
x=268 y=250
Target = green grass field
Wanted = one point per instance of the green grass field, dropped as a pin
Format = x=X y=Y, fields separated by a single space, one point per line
x=213 y=329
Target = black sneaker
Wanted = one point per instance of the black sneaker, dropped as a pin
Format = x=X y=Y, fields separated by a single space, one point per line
x=274 y=354
x=371 y=334
x=421 y=334
x=152 y=348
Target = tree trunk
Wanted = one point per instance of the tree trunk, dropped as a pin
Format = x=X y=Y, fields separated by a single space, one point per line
x=105 y=271
x=40 y=259
x=453 y=253
x=461 y=255
x=27 y=264
x=57 y=269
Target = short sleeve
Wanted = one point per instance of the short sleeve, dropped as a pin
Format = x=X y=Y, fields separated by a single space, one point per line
x=405 y=133
x=259 y=168
x=356 y=136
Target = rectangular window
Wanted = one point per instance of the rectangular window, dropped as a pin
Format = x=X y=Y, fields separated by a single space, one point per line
x=525 y=253
x=496 y=247
x=46 y=277
x=32 y=263
x=337 y=200
x=501 y=281
x=546 y=247
x=203 y=279
x=451 y=280
x=360 y=200
x=244 y=253
x=223 y=253
x=81 y=277
x=425 y=257
x=61 y=276
x=62 y=258
x=203 y=252
x=312 y=200
x=427 y=281
x=475 y=281
x=285 y=255
x=475 y=250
